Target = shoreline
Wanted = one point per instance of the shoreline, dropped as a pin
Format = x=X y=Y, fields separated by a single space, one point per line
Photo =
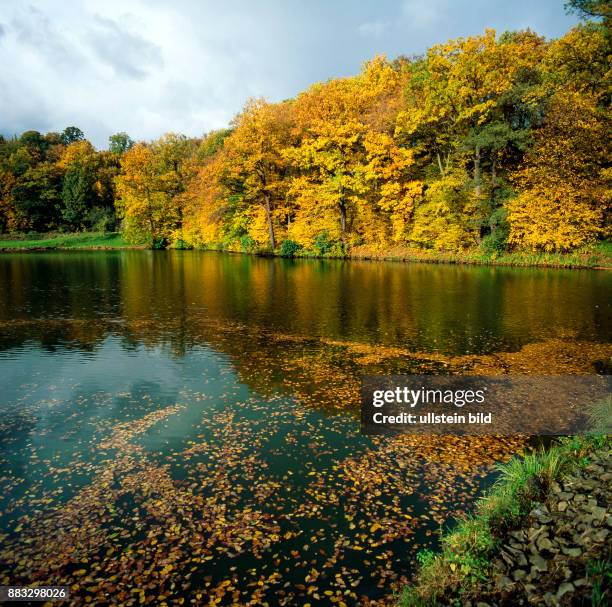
x=596 y=258
x=520 y=544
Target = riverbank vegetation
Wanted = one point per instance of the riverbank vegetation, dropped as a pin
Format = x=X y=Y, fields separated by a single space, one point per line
x=478 y=555
x=482 y=147
x=78 y=240
x=473 y=563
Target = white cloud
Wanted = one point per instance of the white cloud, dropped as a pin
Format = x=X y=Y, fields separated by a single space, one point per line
x=424 y=13
x=373 y=28
x=152 y=66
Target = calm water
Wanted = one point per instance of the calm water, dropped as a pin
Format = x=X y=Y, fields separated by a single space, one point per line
x=183 y=424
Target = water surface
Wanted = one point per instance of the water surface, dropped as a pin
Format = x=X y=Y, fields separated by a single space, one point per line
x=184 y=424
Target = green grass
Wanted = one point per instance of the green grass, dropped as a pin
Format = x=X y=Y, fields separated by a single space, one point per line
x=593 y=256
x=600 y=575
x=80 y=240
x=466 y=553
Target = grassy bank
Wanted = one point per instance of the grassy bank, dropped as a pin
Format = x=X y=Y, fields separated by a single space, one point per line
x=463 y=570
x=595 y=256
x=81 y=240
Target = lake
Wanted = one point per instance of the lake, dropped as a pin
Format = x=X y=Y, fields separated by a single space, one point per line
x=184 y=426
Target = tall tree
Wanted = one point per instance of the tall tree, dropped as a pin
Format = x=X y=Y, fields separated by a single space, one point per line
x=119 y=143
x=72 y=134
x=80 y=165
x=255 y=165
x=150 y=188
x=564 y=192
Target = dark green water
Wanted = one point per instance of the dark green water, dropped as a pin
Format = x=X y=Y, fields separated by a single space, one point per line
x=197 y=411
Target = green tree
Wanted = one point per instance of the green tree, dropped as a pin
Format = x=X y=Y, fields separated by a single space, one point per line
x=72 y=134
x=36 y=195
x=78 y=193
x=119 y=143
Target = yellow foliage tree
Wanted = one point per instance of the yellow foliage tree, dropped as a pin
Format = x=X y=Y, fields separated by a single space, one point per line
x=563 y=187
x=142 y=203
x=352 y=175
x=253 y=167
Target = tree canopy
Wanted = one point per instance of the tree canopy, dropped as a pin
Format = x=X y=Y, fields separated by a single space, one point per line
x=494 y=141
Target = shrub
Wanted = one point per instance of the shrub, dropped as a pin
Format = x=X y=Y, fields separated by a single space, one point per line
x=101 y=220
x=322 y=244
x=182 y=245
x=159 y=243
x=247 y=244
x=493 y=243
x=289 y=248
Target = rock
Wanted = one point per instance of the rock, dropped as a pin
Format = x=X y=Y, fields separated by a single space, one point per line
x=600 y=536
x=538 y=562
x=564 y=589
x=595 y=469
x=508 y=558
x=550 y=600
x=598 y=512
x=545 y=544
x=544 y=562
x=573 y=552
x=505 y=584
x=519 y=574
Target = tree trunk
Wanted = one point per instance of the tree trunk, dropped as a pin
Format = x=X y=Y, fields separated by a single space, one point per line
x=342 y=206
x=477 y=171
x=269 y=219
x=440 y=164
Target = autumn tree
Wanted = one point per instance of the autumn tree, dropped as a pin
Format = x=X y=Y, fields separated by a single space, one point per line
x=485 y=141
x=79 y=163
x=350 y=169
x=254 y=165
x=470 y=105
x=150 y=187
x=564 y=192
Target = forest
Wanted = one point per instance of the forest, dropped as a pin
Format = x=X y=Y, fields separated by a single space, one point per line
x=496 y=141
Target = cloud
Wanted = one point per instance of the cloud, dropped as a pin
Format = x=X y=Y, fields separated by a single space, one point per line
x=129 y=55
x=373 y=28
x=151 y=66
x=424 y=13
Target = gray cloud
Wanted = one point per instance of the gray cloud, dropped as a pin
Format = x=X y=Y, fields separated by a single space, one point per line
x=152 y=66
x=128 y=54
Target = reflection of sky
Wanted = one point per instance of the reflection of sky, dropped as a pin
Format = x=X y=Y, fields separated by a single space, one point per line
x=59 y=393
x=62 y=374
x=32 y=374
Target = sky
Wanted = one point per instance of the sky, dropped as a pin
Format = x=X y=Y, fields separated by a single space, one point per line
x=149 y=67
